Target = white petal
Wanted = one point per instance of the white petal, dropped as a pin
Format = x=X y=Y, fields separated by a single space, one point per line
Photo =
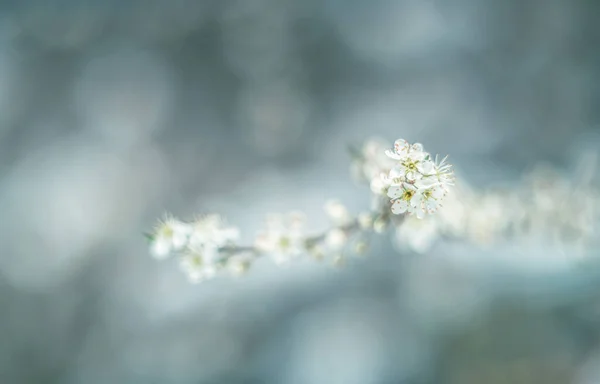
x=377 y=185
x=412 y=176
x=426 y=167
x=419 y=212
x=195 y=277
x=160 y=248
x=336 y=238
x=391 y=154
x=425 y=183
x=431 y=205
x=179 y=240
x=395 y=191
x=210 y=255
x=399 y=207
x=264 y=242
x=337 y=212
x=230 y=234
x=210 y=272
x=437 y=192
x=416 y=200
x=418 y=147
x=179 y=228
x=398 y=171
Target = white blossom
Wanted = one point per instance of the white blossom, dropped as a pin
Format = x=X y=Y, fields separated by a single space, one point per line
x=453 y=218
x=380 y=183
x=212 y=229
x=169 y=235
x=365 y=220
x=430 y=198
x=413 y=167
x=239 y=264
x=371 y=160
x=200 y=262
x=336 y=239
x=203 y=256
x=417 y=235
x=406 y=198
x=283 y=237
x=337 y=213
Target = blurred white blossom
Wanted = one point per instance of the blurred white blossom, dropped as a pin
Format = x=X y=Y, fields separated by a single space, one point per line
x=338 y=213
x=212 y=229
x=199 y=262
x=200 y=245
x=169 y=235
x=283 y=237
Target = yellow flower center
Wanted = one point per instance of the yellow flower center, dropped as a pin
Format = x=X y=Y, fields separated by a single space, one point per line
x=196 y=260
x=408 y=194
x=410 y=165
x=285 y=242
x=165 y=231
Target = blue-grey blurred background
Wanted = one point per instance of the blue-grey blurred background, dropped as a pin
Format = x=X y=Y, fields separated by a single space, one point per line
x=113 y=112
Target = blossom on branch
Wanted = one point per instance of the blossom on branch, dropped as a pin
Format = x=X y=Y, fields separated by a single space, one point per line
x=415 y=183
x=169 y=235
x=418 y=184
x=283 y=237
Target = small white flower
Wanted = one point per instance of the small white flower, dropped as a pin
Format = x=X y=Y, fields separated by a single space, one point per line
x=169 y=235
x=430 y=198
x=453 y=218
x=406 y=198
x=212 y=229
x=417 y=235
x=365 y=220
x=413 y=161
x=338 y=213
x=336 y=239
x=400 y=151
x=283 y=237
x=380 y=184
x=371 y=160
x=413 y=166
x=239 y=265
x=487 y=218
x=200 y=262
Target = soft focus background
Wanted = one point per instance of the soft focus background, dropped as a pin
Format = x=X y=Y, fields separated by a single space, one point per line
x=113 y=112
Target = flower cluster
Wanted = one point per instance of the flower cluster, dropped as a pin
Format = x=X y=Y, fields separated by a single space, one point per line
x=201 y=246
x=417 y=183
x=408 y=175
x=407 y=185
